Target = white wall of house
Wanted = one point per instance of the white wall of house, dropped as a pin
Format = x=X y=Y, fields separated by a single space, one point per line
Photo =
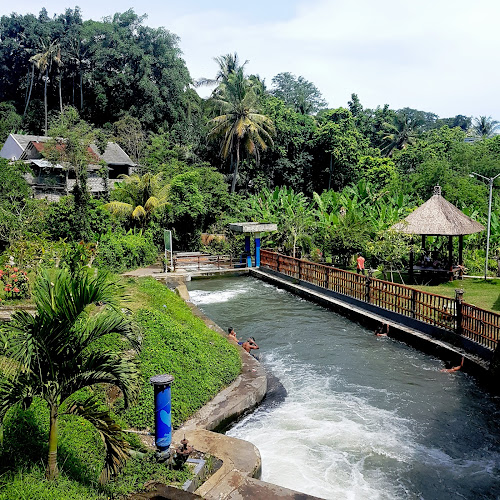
x=11 y=150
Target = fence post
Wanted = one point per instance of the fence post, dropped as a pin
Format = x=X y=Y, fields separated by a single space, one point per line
x=413 y=303
x=367 y=286
x=299 y=267
x=459 y=297
x=327 y=277
x=278 y=263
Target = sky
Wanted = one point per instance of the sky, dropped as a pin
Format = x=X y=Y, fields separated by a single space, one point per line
x=440 y=56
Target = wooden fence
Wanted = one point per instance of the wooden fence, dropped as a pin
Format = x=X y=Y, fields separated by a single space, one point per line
x=478 y=325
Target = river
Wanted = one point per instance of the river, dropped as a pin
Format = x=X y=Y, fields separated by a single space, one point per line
x=364 y=417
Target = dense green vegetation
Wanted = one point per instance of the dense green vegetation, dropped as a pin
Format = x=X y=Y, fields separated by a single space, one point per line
x=342 y=176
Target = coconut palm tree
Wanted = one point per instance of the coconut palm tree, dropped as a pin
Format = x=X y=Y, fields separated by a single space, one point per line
x=485 y=126
x=50 y=53
x=240 y=125
x=403 y=131
x=228 y=64
x=138 y=197
x=52 y=355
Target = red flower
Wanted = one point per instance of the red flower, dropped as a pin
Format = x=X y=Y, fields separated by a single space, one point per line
x=16 y=269
x=16 y=290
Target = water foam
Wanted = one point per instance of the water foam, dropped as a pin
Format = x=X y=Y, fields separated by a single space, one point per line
x=333 y=442
x=201 y=297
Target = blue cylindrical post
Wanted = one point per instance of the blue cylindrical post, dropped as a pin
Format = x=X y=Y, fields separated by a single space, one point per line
x=257 y=250
x=163 y=411
x=248 y=251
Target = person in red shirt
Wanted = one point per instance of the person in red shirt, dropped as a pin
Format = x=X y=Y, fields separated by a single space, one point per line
x=360 y=264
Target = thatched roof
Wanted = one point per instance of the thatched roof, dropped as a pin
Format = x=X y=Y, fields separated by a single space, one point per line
x=438 y=217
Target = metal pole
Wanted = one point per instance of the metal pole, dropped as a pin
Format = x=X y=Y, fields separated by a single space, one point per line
x=490 y=182
x=488 y=233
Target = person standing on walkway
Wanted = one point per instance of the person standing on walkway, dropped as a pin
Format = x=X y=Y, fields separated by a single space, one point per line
x=360 y=264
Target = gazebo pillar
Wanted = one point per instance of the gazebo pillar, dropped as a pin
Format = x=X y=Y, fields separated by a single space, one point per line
x=461 y=250
x=412 y=258
x=450 y=256
x=249 y=229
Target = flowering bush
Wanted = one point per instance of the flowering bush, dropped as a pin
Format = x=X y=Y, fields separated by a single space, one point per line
x=316 y=255
x=16 y=282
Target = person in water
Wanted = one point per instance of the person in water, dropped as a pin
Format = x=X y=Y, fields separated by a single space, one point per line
x=249 y=345
x=382 y=330
x=231 y=335
x=454 y=369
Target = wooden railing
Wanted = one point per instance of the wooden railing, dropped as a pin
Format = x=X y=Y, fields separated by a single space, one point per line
x=478 y=325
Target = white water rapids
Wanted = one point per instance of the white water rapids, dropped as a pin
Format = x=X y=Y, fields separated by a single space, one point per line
x=364 y=417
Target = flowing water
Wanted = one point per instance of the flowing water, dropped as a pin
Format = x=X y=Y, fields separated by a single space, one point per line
x=364 y=417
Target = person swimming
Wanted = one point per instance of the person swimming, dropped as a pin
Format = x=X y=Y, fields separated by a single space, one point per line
x=382 y=330
x=454 y=368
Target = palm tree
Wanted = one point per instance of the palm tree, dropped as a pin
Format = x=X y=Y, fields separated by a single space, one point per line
x=228 y=64
x=485 y=126
x=52 y=355
x=50 y=53
x=240 y=125
x=403 y=131
x=138 y=197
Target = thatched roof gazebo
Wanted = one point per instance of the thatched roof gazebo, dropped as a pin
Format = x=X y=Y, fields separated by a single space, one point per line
x=438 y=217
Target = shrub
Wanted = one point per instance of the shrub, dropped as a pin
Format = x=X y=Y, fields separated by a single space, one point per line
x=60 y=221
x=34 y=252
x=119 y=252
x=16 y=282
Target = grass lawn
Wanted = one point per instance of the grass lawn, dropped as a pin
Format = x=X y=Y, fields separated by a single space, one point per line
x=484 y=294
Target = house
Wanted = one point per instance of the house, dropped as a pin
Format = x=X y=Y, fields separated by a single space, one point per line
x=53 y=181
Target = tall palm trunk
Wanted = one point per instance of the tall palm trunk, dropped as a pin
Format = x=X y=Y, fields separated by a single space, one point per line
x=81 y=90
x=52 y=471
x=235 y=173
x=60 y=93
x=31 y=88
x=45 y=99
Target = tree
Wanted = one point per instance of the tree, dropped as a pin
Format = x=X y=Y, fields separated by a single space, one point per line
x=69 y=146
x=379 y=172
x=138 y=197
x=228 y=64
x=341 y=140
x=402 y=131
x=10 y=121
x=53 y=355
x=485 y=126
x=50 y=53
x=241 y=125
x=290 y=161
x=130 y=135
x=298 y=93
x=17 y=211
